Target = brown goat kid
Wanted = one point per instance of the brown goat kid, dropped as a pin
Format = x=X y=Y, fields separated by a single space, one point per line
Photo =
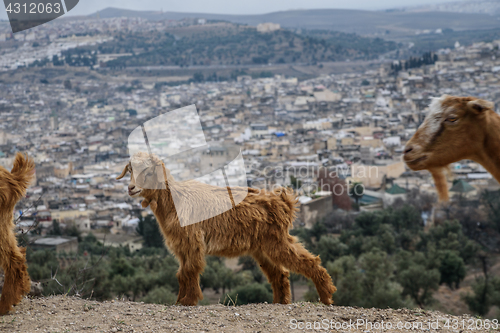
x=13 y=187
x=456 y=128
x=257 y=226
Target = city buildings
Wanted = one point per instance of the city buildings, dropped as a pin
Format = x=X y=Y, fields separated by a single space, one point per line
x=355 y=125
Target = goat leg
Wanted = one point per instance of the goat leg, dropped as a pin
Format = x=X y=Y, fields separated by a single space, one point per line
x=17 y=282
x=277 y=276
x=292 y=255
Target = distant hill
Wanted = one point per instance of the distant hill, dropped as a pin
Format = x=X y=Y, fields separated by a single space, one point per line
x=489 y=7
x=432 y=42
x=232 y=44
x=351 y=21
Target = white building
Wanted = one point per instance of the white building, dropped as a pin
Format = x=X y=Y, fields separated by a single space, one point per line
x=268 y=27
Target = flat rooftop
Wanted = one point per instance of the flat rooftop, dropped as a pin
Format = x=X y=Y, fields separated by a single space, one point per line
x=54 y=241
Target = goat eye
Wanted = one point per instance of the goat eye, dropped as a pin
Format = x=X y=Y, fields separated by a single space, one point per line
x=451 y=119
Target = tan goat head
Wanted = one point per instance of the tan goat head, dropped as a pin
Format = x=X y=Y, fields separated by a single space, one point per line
x=454 y=129
x=148 y=177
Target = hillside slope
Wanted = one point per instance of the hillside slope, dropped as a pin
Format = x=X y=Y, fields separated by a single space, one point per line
x=229 y=44
x=70 y=314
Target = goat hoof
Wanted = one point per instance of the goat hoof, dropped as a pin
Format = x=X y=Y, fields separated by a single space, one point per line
x=4 y=310
x=186 y=301
x=327 y=302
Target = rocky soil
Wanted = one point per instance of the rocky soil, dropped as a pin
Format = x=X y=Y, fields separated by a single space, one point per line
x=71 y=314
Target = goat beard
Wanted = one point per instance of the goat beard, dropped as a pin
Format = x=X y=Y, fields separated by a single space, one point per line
x=439 y=176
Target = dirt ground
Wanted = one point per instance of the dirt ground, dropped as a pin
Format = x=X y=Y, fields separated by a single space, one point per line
x=71 y=314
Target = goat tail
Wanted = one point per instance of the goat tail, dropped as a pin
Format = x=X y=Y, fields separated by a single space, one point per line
x=291 y=201
x=23 y=171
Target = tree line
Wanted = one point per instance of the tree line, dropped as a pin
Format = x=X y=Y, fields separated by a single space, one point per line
x=428 y=58
x=385 y=258
x=242 y=46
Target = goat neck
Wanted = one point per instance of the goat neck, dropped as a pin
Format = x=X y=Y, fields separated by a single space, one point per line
x=489 y=157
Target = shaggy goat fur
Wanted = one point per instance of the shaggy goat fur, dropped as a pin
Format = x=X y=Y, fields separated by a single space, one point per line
x=455 y=128
x=13 y=187
x=257 y=226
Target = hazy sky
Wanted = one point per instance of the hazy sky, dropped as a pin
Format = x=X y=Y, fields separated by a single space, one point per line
x=86 y=7
x=242 y=7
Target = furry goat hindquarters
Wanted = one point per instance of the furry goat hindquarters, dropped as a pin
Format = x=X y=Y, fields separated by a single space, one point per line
x=13 y=187
x=257 y=226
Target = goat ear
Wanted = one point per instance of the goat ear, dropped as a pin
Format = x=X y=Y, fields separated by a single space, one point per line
x=479 y=105
x=124 y=172
x=166 y=175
